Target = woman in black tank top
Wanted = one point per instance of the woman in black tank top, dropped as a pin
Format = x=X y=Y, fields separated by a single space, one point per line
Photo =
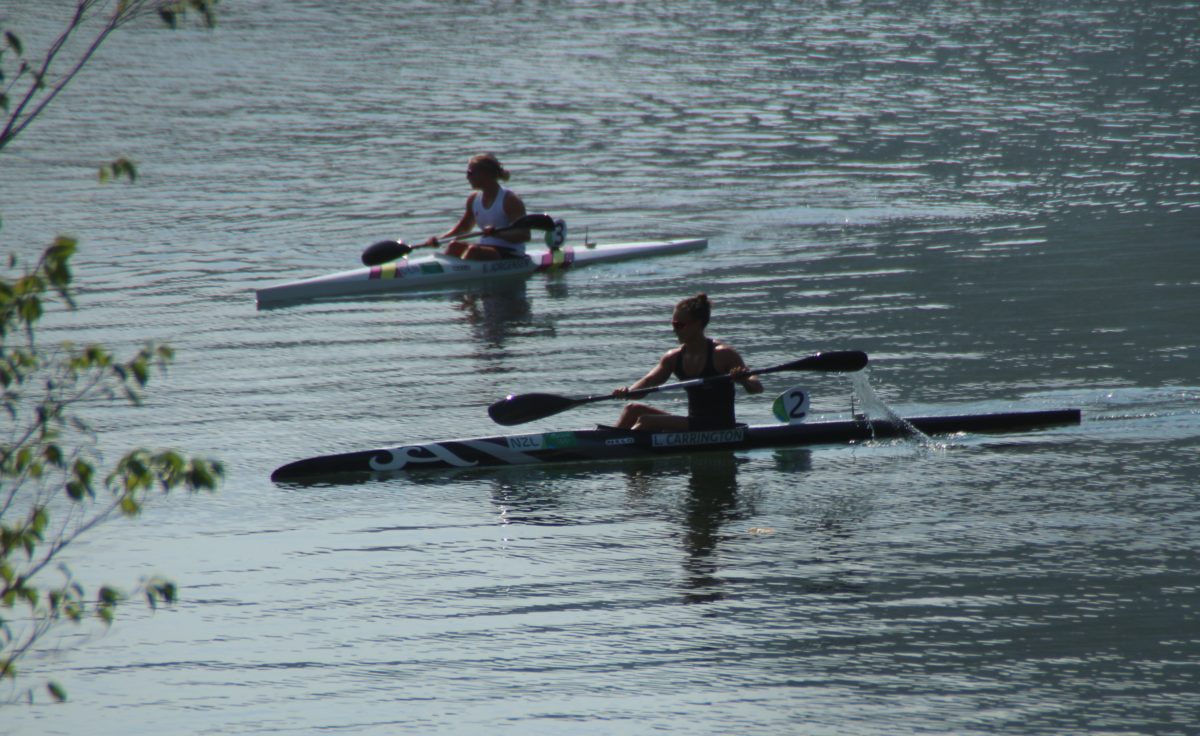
x=709 y=406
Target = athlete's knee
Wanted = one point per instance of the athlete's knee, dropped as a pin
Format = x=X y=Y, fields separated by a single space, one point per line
x=630 y=414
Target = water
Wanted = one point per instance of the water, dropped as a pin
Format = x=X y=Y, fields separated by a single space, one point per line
x=999 y=202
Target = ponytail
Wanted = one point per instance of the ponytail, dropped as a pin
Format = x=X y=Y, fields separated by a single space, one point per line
x=698 y=307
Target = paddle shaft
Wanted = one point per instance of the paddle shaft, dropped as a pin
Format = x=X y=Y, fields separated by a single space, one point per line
x=475 y=234
x=390 y=250
x=525 y=222
x=842 y=361
x=528 y=407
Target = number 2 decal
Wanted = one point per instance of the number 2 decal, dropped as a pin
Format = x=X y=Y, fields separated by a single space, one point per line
x=792 y=405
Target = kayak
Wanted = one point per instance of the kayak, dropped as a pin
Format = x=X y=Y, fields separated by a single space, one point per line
x=436 y=270
x=600 y=444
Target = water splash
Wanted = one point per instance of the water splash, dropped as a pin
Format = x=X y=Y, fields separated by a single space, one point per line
x=874 y=408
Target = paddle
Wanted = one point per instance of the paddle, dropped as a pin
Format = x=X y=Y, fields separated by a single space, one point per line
x=390 y=250
x=529 y=407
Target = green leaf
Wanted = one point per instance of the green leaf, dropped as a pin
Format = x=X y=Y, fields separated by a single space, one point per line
x=117 y=169
x=205 y=475
x=53 y=455
x=140 y=372
x=129 y=505
x=157 y=590
x=107 y=599
x=21 y=459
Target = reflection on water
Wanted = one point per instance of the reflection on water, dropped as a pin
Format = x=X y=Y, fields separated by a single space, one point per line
x=528 y=499
x=697 y=494
x=711 y=505
x=792 y=460
x=496 y=312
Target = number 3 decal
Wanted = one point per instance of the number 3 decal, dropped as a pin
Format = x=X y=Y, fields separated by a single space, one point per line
x=556 y=237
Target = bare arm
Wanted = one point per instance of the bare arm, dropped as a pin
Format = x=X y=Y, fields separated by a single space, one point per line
x=657 y=375
x=727 y=360
x=464 y=225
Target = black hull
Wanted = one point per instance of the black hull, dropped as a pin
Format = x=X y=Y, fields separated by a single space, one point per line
x=612 y=444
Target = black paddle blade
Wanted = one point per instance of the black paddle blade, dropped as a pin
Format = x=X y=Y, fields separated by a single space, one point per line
x=534 y=222
x=839 y=361
x=384 y=251
x=529 y=407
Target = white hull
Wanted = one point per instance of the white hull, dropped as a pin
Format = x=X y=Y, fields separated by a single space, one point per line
x=434 y=271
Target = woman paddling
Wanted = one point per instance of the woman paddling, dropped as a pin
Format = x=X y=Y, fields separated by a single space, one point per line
x=710 y=406
x=490 y=207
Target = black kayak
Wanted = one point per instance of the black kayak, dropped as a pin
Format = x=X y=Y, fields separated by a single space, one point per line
x=584 y=445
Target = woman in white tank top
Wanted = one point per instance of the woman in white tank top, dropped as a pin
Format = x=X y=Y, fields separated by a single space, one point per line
x=489 y=208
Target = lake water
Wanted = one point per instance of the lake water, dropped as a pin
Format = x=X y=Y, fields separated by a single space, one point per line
x=999 y=202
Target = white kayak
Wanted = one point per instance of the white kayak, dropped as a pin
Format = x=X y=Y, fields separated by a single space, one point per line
x=433 y=271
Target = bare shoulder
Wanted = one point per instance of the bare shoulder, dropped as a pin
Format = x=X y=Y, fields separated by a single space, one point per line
x=513 y=204
x=725 y=357
x=667 y=361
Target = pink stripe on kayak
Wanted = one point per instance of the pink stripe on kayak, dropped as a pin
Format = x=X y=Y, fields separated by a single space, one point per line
x=557 y=259
x=384 y=271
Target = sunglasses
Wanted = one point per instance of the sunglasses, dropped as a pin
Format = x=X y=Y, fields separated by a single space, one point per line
x=680 y=323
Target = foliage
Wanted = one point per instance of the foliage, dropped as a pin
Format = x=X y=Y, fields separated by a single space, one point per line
x=41 y=86
x=51 y=486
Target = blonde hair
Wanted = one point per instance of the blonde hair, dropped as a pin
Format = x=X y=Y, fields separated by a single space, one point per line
x=489 y=161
